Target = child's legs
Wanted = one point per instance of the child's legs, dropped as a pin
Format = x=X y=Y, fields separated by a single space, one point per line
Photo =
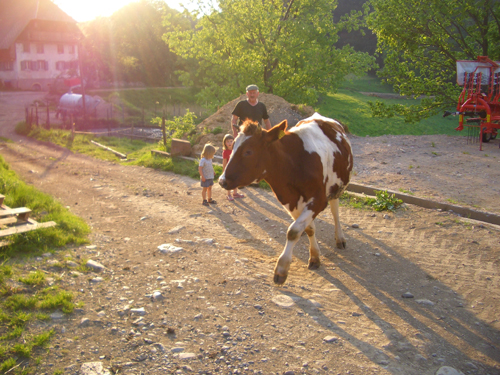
x=204 y=193
x=209 y=192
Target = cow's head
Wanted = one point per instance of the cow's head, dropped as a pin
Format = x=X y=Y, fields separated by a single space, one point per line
x=250 y=154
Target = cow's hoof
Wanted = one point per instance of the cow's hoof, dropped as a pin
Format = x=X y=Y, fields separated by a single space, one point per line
x=314 y=264
x=341 y=244
x=279 y=280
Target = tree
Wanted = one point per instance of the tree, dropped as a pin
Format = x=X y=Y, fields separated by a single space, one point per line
x=128 y=46
x=284 y=46
x=422 y=40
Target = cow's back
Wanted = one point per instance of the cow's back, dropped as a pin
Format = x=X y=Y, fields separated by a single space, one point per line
x=327 y=138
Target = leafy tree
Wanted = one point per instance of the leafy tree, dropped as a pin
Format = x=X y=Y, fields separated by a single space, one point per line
x=284 y=46
x=422 y=40
x=128 y=46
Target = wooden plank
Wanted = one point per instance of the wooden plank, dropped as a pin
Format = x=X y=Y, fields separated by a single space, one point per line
x=119 y=154
x=22 y=212
x=8 y=220
x=26 y=228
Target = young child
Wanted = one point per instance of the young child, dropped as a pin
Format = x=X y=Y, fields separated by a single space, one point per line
x=227 y=147
x=207 y=174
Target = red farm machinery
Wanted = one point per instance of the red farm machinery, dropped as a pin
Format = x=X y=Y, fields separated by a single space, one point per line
x=479 y=101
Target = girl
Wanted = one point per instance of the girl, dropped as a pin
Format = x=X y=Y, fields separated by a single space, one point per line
x=206 y=170
x=227 y=146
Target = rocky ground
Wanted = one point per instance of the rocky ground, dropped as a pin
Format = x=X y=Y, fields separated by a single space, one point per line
x=415 y=292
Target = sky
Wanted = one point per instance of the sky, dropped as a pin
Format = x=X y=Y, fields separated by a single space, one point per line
x=87 y=10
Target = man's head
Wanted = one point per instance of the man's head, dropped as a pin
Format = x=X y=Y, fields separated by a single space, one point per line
x=252 y=93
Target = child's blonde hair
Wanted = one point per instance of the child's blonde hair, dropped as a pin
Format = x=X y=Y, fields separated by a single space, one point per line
x=226 y=137
x=208 y=151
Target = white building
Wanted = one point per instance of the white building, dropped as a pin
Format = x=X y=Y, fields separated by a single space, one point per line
x=38 y=44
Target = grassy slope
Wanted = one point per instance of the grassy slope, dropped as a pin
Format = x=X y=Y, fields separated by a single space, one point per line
x=351 y=108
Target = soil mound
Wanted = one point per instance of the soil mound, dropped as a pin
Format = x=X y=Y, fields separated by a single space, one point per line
x=277 y=108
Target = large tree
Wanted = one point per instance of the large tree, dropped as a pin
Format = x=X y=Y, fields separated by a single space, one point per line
x=284 y=46
x=128 y=46
x=422 y=40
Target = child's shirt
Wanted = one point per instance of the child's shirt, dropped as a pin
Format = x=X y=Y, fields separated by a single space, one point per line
x=226 y=154
x=207 y=168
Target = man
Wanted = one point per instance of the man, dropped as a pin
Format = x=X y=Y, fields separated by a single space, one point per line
x=250 y=109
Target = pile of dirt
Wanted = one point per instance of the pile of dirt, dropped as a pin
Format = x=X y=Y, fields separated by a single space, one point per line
x=277 y=108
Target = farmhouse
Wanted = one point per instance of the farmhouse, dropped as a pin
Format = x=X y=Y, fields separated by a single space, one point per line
x=38 y=44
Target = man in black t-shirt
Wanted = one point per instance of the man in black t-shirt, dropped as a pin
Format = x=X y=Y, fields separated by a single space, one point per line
x=250 y=109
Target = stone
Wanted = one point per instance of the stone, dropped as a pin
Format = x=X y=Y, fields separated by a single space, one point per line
x=96 y=266
x=446 y=370
x=284 y=301
x=93 y=368
x=180 y=147
x=169 y=248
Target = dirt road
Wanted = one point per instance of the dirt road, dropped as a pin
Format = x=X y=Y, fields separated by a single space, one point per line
x=415 y=291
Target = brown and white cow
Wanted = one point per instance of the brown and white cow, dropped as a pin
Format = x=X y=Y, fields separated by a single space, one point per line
x=306 y=167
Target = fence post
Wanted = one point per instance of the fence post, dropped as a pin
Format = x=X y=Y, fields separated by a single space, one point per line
x=27 y=113
x=48 y=116
x=72 y=126
x=36 y=111
x=164 y=133
x=31 y=117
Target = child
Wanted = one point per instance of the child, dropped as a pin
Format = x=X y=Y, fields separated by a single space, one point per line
x=227 y=146
x=207 y=174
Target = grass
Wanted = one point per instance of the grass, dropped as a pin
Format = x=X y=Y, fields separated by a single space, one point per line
x=351 y=108
x=31 y=300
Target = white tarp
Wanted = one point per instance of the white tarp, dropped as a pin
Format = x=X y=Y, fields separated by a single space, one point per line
x=474 y=67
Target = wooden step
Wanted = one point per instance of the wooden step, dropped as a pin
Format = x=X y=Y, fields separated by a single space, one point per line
x=26 y=228
x=22 y=213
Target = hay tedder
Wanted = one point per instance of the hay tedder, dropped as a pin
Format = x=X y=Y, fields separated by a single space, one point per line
x=479 y=101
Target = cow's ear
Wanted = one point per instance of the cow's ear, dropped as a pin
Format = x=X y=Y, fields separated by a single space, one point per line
x=277 y=131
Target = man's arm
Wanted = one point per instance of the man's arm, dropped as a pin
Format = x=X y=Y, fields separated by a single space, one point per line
x=267 y=123
x=234 y=125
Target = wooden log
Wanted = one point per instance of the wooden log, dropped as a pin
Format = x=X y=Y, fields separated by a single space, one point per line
x=119 y=154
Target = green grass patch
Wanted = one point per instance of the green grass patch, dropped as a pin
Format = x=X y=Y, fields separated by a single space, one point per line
x=70 y=229
x=33 y=278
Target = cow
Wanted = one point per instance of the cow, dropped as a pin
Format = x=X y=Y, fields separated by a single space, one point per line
x=306 y=166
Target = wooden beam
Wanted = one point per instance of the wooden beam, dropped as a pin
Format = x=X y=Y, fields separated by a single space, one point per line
x=26 y=228
x=22 y=213
x=119 y=154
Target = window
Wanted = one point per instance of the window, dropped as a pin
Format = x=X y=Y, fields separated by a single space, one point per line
x=6 y=65
x=72 y=65
x=26 y=47
x=60 y=48
x=26 y=65
x=71 y=49
x=39 y=48
x=43 y=65
x=34 y=65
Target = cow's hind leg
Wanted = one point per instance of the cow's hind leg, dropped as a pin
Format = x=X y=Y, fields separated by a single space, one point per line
x=339 y=235
x=314 y=261
x=292 y=236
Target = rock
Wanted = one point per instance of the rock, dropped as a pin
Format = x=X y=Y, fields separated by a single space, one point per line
x=407 y=295
x=187 y=356
x=169 y=248
x=93 y=368
x=424 y=302
x=284 y=301
x=138 y=311
x=330 y=339
x=96 y=280
x=96 y=266
x=175 y=230
x=355 y=225
x=85 y=322
x=157 y=296
x=56 y=315
x=446 y=370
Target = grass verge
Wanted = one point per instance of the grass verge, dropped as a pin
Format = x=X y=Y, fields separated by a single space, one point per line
x=28 y=297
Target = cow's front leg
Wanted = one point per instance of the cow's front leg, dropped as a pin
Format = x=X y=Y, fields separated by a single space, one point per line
x=292 y=236
x=339 y=234
x=314 y=261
